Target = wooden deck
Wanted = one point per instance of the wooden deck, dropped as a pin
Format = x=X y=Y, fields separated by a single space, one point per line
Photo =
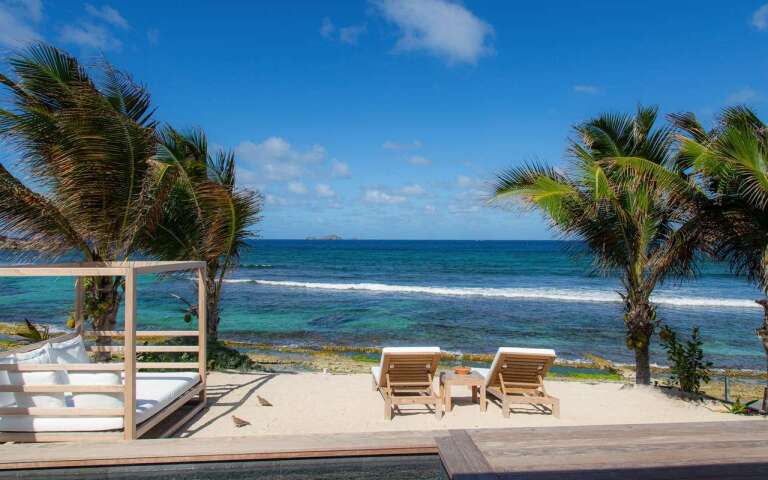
x=660 y=451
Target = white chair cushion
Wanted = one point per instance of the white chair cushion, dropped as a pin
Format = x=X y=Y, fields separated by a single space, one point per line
x=376 y=372
x=43 y=400
x=396 y=350
x=484 y=372
x=69 y=351
x=544 y=352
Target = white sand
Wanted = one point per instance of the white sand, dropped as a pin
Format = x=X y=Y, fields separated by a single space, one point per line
x=326 y=403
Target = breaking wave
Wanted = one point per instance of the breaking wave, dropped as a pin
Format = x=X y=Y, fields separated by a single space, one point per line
x=557 y=294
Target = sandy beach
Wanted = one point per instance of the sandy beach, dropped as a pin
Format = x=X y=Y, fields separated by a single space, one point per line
x=328 y=403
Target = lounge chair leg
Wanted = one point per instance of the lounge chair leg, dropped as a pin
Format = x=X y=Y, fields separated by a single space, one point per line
x=505 y=407
x=387 y=410
x=556 y=408
x=375 y=385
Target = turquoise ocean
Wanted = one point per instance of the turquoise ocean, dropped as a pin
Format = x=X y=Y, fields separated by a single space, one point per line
x=464 y=296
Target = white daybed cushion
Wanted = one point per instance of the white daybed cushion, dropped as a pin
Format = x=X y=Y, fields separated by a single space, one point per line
x=154 y=391
x=485 y=372
x=69 y=351
x=73 y=351
x=42 y=400
x=376 y=371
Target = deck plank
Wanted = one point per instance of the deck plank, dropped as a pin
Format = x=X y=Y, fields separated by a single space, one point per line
x=661 y=451
x=462 y=459
x=712 y=450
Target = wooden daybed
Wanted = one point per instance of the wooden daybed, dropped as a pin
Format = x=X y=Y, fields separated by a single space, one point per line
x=51 y=391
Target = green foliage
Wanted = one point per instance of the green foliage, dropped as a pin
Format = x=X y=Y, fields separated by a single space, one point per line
x=689 y=370
x=605 y=376
x=220 y=356
x=614 y=197
x=739 y=408
x=360 y=357
x=205 y=217
x=32 y=333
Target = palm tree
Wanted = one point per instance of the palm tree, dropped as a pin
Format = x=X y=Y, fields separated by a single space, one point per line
x=206 y=217
x=629 y=224
x=87 y=148
x=731 y=162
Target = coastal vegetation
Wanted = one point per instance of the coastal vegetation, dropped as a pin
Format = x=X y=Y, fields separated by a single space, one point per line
x=86 y=147
x=627 y=222
x=103 y=182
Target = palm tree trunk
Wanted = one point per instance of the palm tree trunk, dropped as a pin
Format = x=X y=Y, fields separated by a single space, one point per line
x=762 y=334
x=104 y=304
x=643 y=365
x=640 y=320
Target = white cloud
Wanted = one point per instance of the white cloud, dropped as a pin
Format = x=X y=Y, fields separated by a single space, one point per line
x=590 y=89
x=277 y=159
x=429 y=209
x=274 y=199
x=324 y=190
x=413 y=190
x=399 y=147
x=419 y=160
x=744 y=95
x=760 y=18
x=297 y=188
x=469 y=182
x=16 y=18
x=327 y=28
x=153 y=36
x=381 y=197
x=89 y=35
x=340 y=169
x=440 y=27
x=352 y=33
x=107 y=14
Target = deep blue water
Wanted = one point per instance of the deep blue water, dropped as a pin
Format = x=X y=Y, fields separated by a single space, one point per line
x=460 y=295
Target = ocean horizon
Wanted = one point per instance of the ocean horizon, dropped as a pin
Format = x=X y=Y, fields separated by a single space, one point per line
x=467 y=296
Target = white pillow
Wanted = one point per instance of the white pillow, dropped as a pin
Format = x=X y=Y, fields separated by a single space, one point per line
x=43 y=400
x=69 y=351
x=6 y=399
x=96 y=400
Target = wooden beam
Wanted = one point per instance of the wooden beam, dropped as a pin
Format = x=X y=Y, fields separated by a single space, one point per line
x=62 y=412
x=143 y=333
x=63 y=388
x=168 y=365
x=129 y=349
x=63 y=367
x=145 y=348
x=202 y=328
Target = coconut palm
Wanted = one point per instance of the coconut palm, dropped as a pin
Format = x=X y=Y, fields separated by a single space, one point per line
x=206 y=217
x=731 y=162
x=86 y=149
x=628 y=223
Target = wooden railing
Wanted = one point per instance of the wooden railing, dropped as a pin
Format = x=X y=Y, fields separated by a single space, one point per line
x=128 y=367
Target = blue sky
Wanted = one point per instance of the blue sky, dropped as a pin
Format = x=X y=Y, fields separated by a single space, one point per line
x=388 y=118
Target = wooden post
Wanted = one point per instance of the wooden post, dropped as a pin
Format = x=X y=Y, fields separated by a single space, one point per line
x=725 y=388
x=129 y=394
x=202 y=327
x=79 y=303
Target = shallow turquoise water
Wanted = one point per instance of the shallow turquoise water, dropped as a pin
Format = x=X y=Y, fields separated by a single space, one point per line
x=462 y=295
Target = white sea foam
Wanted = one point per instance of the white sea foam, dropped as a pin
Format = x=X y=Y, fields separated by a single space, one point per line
x=566 y=295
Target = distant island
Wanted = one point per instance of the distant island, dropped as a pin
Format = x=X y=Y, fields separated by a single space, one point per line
x=327 y=237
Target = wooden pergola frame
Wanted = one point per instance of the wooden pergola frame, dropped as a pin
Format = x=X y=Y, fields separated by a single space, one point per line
x=129 y=367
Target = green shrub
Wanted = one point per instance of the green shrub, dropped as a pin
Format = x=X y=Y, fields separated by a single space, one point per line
x=686 y=359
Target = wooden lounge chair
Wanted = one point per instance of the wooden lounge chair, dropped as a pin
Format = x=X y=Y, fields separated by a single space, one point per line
x=405 y=377
x=517 y=376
